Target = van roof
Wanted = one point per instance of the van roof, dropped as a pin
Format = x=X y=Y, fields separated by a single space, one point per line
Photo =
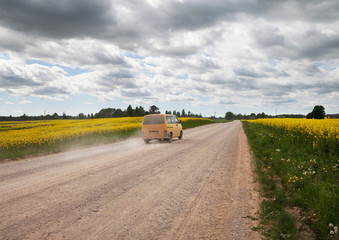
x=160 y=115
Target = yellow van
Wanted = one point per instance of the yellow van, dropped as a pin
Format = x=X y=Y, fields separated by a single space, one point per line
x=161 y=127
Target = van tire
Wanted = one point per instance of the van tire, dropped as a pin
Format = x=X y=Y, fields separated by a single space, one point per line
x=146 y=141
x=170 y=138
x=181 y=135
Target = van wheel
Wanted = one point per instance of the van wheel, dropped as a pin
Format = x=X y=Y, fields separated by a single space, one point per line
x=170 y=138
x=146 y=141
x=181 y=135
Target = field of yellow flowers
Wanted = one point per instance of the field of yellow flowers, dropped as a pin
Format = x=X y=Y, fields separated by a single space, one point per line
x=317 y=130
x=24 y=134
x=297 y=163
x=31 y=137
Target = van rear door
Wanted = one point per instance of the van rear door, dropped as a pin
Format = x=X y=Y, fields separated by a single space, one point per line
x=153 y=126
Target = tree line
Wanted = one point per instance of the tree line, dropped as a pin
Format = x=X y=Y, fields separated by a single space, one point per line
x=138 y=111
x=318 y=112
x=234 y=116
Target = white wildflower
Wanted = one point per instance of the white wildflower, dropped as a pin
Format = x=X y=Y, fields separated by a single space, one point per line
x=330 y=225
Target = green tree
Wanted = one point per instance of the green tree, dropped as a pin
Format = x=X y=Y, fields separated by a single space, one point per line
x=229 y=116
x=105 y=113
x=140 y=111
x=130 y=111
x=318 y=112
x=154 y=110
x=253 y=116
x=118 y=113
x=81 y=116
x=24 y=117
x=261 y=115
x=55 y=116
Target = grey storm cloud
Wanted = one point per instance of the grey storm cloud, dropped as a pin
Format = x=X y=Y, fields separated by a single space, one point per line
x=58 y=19
x=131 y=30
x=191 y=15
x=16 y=82
x=291 y=10
x=318 y=45
x=66 y=19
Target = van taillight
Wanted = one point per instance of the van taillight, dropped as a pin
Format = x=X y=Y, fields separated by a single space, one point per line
x=165 y=131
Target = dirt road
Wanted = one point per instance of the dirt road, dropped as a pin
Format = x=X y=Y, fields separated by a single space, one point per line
x=199 y=188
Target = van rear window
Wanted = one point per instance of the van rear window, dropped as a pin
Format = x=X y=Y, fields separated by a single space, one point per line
x=170 y=120
x=148 y=120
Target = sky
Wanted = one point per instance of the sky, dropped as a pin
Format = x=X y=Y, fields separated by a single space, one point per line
x=207 y=57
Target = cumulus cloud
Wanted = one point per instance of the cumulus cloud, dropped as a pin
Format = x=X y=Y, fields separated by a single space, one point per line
x=14 y=75
x=196 y=51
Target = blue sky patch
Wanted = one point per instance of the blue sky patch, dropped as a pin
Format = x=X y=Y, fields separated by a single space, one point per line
x=274 y=62
x=328 y=66
x=69 y=70
x=5 y=56
x=133 y=55
x=184 y=76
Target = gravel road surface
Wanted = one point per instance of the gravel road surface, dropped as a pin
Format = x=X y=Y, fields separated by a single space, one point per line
x=201 y=187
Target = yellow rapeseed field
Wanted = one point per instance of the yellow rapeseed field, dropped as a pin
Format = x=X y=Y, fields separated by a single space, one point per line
x=17 y=135
x=27 y=133
x=318 y=130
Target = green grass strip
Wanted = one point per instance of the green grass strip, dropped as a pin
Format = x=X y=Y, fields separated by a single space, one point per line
x=196 y=123
x=294 y=174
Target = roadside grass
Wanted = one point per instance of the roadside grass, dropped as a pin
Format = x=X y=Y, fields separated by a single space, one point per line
x=191 y=123
x=89 y=138
x=293 y=173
